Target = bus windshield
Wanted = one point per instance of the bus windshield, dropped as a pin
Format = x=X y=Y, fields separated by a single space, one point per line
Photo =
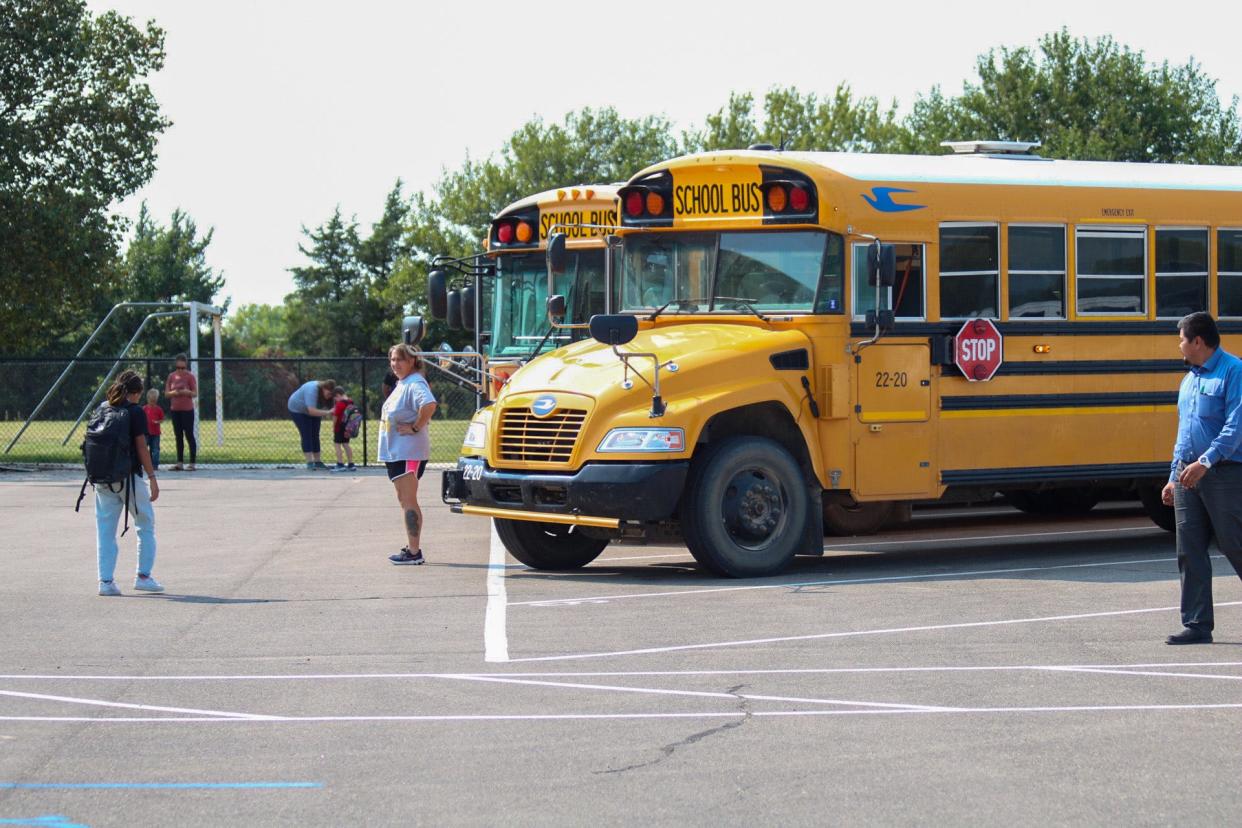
x=701 y=272
x=519 y=301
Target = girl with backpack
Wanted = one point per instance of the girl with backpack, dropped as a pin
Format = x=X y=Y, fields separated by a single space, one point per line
x=111 y=501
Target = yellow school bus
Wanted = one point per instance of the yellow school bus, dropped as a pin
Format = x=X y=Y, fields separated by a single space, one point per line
x=500 y=294
x=800 y=343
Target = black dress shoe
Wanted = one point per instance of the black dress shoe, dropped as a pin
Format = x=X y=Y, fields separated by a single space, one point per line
x=1190 y=635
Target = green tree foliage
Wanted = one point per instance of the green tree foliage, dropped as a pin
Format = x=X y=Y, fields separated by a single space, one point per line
x=78 y=130
x=168 y=264
x=1086 y=100
x=257 y=330
x=327 y=309
x=379 y=255
x=798 y=121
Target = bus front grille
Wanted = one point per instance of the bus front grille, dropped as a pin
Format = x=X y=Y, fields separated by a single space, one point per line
x=527 y=438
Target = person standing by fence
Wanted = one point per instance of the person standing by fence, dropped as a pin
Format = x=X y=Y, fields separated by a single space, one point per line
x=311 y=402
x=405 y=445
x=181 y=388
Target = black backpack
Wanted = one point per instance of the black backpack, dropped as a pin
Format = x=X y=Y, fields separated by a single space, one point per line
x=107 y=452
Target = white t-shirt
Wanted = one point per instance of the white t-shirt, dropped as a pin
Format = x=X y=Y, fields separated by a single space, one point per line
x=402 y=406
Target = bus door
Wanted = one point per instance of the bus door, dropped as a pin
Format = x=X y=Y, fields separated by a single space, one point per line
x=894 y=442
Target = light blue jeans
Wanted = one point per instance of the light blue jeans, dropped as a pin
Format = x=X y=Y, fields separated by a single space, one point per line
x=108 y=508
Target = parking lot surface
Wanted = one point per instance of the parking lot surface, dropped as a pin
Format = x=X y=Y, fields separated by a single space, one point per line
x=976 y=666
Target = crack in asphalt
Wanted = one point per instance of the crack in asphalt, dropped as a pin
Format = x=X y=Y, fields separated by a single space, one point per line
x=670 y=749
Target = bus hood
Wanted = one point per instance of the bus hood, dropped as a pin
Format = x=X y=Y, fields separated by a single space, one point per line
x=731 y=352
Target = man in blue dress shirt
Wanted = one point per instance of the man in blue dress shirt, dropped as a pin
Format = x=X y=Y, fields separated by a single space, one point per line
x=1205 y=483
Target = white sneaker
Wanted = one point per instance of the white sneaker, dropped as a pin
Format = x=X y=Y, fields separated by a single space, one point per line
x=109 y=588
x=147 y=584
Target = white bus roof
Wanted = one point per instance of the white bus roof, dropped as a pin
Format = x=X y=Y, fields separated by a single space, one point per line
x=1016 y=170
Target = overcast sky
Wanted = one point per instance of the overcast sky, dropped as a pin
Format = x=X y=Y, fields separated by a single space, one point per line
x=283 y=110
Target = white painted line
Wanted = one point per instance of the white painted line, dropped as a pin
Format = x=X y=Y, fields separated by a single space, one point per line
x=495 y=635
x=697 y=693
x=1141 y=673
x=604 y=599
x=853 y=633
x=102 y=703
x=758 y=714
x=621 y=673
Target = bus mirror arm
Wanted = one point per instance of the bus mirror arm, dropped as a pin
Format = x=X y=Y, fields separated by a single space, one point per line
x=657 y=401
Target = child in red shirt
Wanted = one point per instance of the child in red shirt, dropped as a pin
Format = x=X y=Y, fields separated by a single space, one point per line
x=339 y=436
x=155 y=416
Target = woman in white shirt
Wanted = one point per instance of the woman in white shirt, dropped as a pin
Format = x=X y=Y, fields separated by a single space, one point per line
x=404 y=444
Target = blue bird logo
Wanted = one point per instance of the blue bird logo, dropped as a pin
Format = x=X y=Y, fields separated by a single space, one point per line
x=881 y=198
x=543 y=406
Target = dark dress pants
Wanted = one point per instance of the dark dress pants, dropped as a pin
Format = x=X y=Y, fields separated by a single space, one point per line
x=1213 y=509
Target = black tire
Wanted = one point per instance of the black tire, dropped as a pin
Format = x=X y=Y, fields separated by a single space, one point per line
x=844 y=517
x=1161 y=515
x=746 y=507
x=1076 y=501
x=554 y=546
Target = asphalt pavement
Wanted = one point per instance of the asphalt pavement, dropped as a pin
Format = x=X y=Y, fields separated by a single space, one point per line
x=974 y=667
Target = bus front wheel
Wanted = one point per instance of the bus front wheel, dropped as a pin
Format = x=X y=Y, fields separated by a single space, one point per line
x=553 y=546
x=746 y=507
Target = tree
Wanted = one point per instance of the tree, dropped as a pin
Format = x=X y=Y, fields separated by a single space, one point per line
x=257 y=330
x=1086 y=100
x=168 y=264
x=379 y=256
x=798 y=121
x=78 y=130
x=326 y=312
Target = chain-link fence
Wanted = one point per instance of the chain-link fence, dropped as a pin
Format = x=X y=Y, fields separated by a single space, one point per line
x=254 y=429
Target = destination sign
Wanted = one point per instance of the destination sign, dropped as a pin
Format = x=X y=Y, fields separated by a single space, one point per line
x=717 y=192
x=577 y=224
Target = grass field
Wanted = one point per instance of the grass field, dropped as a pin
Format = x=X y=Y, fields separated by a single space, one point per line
x=246 y=442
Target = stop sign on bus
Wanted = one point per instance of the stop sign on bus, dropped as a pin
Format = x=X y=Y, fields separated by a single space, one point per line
x=977 y=350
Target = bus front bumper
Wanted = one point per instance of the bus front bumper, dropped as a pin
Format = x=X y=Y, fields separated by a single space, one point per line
x=598 y=494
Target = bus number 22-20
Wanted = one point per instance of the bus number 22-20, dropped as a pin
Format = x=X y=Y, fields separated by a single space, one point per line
x=894 y=379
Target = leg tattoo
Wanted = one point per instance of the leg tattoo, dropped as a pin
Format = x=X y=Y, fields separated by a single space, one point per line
x=412 y=523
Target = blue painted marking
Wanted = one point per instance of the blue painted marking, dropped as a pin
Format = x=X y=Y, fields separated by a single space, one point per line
x=153 y=786
x=47 y=821
x=883 y=200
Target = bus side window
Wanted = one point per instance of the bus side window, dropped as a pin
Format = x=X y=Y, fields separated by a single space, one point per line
x=969 y=270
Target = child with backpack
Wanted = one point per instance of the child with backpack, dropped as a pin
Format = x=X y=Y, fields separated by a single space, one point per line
x=155 y=416
x=115 y=453
x=346 y=420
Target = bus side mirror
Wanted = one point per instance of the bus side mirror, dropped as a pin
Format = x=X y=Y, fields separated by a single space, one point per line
x=467 y=308
x=452 y=306
x=556 y=308
x=437 y=294
x=613 y=328
x=557 y=256
x=412 y=330
x=881 y=265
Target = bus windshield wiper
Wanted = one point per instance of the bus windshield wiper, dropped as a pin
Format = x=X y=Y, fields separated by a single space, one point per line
x=745 y=304
x=682 y=305
x=539 y=347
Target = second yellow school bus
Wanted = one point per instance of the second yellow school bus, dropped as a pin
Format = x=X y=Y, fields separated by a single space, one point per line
x=782 y=408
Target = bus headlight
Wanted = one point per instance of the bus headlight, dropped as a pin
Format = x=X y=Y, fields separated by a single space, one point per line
x=476 y=436
x=643 y=440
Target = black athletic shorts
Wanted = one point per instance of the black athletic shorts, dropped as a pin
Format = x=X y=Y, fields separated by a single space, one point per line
x=400 y=468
